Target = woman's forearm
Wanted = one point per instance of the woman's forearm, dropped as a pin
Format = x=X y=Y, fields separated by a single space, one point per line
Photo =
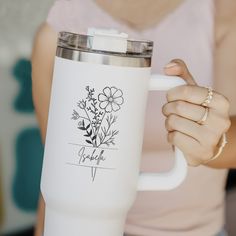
x=227 y=159
x=43 y=54
x=40 y=218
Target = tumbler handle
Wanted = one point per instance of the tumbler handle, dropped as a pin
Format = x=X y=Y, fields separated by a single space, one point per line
x=174 y=177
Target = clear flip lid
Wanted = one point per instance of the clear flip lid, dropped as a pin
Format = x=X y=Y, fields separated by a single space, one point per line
x=105 y=41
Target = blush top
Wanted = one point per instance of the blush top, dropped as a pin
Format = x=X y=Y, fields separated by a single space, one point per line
x=197 y=206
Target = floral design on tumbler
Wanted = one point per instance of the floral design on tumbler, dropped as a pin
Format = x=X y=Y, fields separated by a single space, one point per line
x=111 y=99
x=95 y=118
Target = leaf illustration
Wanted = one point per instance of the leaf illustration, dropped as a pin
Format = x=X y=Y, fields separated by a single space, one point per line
x=75 y=115
x=90 y=133
x=82 y=128
x=87 y=126
x=100 y=137
x=88 y=141
x=115 y=132
x=103 y=130
x=86 y=135
x=94 y=137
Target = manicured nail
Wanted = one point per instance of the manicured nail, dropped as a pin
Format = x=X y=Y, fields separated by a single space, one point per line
x=171 y=64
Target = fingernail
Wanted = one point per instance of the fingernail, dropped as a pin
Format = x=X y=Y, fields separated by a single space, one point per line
x=171 y=64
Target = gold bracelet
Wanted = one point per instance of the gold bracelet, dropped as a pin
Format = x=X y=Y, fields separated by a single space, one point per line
x=220 y=145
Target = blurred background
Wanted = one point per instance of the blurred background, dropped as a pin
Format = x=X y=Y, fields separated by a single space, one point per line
x=20 y=145
x=21 y=150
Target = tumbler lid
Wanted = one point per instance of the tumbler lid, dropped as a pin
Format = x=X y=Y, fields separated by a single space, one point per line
x=105 y=41
x=110 y=40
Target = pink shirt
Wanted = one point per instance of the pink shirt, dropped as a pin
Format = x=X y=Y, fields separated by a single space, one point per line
x=196 y=208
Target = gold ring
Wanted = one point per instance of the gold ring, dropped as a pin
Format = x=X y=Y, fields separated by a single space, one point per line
x=204 y=117
x=209 y=97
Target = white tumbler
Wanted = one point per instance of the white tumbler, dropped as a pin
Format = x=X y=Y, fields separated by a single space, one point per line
x=95 y=133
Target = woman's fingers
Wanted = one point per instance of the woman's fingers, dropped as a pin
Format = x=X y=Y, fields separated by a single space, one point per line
x=215 y=122
x=206 y=135
x=178 y=67
x=198 y=142
x=187 y=144
x=197 y=95
x=190 y=92
x=185 y=126
x=187 y=110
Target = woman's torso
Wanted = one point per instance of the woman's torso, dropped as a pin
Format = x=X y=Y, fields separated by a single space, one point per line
x=197 y=206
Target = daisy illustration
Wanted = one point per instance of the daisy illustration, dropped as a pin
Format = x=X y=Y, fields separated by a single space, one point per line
x=111 y=99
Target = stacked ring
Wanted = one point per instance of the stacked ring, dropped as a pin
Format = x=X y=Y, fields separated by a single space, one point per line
x=223 y=140
x=209 y=97
x=205 y=104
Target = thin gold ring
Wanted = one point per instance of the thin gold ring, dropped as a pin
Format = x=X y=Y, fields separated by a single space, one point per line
x=204 y=117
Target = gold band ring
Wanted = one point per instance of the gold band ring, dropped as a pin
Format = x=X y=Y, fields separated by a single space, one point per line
x=204 y=117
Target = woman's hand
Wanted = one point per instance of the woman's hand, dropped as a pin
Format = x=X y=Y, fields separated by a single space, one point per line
x=184 y=110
